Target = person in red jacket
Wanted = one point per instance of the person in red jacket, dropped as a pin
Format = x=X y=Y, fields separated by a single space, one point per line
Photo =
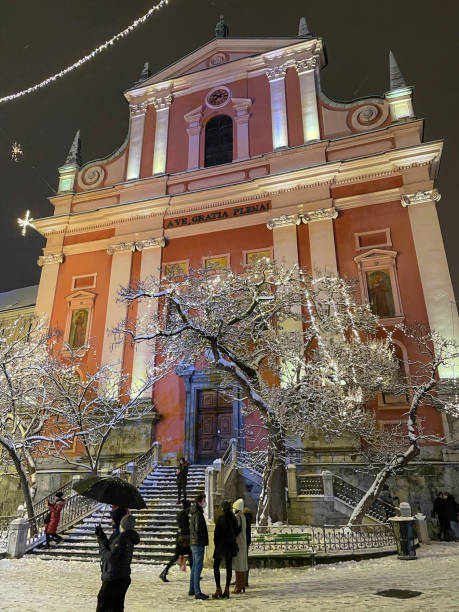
x=51 y=527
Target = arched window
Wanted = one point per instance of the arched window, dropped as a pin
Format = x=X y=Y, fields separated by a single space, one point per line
x=219 y=141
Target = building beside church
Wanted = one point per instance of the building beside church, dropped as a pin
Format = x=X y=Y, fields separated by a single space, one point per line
x=234 y=153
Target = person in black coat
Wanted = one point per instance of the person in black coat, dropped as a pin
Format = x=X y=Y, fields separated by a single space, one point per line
x=182 y=477
x=116 y=556
x=248 y=535
x=225 y=548
x=451 y=512
x=199 y=539
x=439 y=509
x=182 y=541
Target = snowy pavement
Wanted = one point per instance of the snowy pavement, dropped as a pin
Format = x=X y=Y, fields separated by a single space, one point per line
x=31 y=585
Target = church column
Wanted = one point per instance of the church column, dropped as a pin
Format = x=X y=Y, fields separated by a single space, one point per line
x=162 y=105
x=120 y=276
x=194 y=122
x=137 y=112
x=433 y=267
x=144 y=351
x=48 y=282
x=306 y=73
x=276 y=78
x=241 y=107
x=322 y=241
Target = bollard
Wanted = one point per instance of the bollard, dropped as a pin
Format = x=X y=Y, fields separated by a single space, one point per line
x=17 y=535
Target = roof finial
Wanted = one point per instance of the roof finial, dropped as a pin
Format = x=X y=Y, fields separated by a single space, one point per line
x=396 y=77
x=303 y=30
x=74 y=155
x=145 y=74
x=221 y=29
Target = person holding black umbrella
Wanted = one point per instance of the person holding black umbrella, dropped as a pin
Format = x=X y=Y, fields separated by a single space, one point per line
x=116 y=556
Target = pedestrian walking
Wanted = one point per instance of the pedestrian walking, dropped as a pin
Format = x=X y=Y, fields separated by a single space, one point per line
x=199 y=539
x=116 y=557
x=240 y=565
x=225 y=548
x=248 y=534
x=54 y=515
x=439 y=510
x=182 y=477
x=182 y=540
x=451 y=512
x=116 y=515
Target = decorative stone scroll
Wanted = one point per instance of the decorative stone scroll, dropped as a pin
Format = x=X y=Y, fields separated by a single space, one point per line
x=420 y=197
x=150 y=243
x=91 y=177
x=50 y=258
x=120 y=247
x=321 y=214
x=283 y=220
x=138 y=109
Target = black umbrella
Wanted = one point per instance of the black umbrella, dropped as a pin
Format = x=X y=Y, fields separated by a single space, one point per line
x=111 y=490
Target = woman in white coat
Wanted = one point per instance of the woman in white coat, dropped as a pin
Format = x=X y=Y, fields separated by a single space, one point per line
x=240 y=565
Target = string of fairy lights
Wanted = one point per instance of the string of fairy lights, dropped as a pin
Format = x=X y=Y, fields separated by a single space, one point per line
x=17 y=152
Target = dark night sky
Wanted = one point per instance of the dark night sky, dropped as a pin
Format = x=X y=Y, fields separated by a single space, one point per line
x=39 y=38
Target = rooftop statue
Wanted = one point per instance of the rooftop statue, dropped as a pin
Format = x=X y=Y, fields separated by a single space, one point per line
x=221 y=29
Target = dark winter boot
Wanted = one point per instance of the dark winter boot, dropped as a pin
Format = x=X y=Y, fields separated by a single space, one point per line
x=218 y=593
x=225 y=594
x=163 y=575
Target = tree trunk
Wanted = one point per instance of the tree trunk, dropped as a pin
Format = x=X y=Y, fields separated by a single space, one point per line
x=371 y=495
x=25 y=487
x=273 y=502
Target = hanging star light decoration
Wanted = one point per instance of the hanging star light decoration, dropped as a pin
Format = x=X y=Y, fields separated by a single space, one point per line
x=16 y=151
x=26 y=222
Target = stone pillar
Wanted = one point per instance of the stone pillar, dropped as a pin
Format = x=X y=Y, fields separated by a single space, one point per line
x=421 y=528
x=433 y=268
x=137 y=113
x=17 y=535
x=210 y=482
x=162 y=106
x=276 y=78
x=306 y=73
x=120 y=276
x=291 y=481
x=194 y=122
x=48 y=282
x=400 y=103
x=322 y=241
x=327 y=478
x=241 y=107
x=144 y=351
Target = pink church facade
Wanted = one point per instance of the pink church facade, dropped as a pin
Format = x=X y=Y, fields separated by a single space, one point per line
x=234 y=153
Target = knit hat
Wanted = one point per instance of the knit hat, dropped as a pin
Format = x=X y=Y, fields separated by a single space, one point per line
x=127 y=522
x=238 y=505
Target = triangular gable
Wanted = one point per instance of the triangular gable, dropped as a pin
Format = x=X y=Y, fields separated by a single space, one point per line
x=216 y=52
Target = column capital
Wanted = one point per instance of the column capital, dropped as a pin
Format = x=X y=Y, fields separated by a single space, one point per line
x=305 y=64
x=50 y=258
x=136 y=110
x=161 y=102
x=120 y=247
x=275 y=72
x=321 y=214
x=150 y=243
x=283 y=220
x=420 y=197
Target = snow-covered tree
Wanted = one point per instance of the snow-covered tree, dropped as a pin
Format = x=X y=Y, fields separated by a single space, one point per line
x=388 y=452
x=25 y=408
x=302 y=350
x=91 y=406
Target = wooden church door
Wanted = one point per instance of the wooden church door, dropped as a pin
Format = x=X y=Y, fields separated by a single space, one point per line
x=215 y=425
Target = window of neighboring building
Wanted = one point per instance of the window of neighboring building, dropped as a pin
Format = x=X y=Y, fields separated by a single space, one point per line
x=218 y=141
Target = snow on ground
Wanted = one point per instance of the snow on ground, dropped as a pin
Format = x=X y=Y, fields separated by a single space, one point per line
x=32 y=584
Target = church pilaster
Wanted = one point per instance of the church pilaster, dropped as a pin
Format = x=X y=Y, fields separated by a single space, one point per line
x=162 y=105
x=137 y=114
